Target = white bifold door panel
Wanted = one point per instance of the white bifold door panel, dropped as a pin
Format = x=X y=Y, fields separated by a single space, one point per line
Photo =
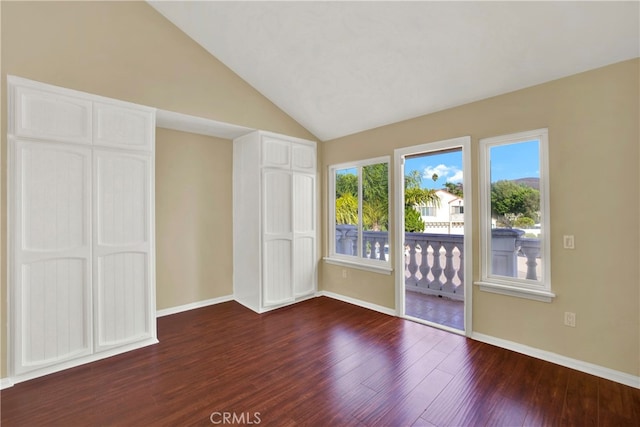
x=275 y=233
x=122 y=249
x=52 y=254
x=81 y=227
x=304 y=234
x=277 y=238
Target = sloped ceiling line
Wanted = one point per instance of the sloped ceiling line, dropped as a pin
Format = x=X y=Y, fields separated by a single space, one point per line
x=343 y=67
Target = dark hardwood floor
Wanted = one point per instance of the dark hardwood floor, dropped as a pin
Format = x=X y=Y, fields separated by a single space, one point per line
x=318 y=363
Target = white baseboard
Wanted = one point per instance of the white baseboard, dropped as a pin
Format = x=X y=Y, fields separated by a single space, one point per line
x=193 y=305
x=5 y=383
x=578 y=365
x=360 y=303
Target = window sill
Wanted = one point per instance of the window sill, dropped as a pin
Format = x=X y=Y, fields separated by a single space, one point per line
x=533 y=294
x=380 y=269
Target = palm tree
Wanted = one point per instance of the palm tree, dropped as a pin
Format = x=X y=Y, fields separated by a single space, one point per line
x=347 y=209
x=415 y=195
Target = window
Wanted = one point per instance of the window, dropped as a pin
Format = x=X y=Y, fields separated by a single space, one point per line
x=359 y=214
x=457 y=210
x=514 y=215
x=427 y=210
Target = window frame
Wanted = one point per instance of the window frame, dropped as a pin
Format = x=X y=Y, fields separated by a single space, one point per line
x=459 y=208
x=429 y=208
x=513 y=286
x=356 y=261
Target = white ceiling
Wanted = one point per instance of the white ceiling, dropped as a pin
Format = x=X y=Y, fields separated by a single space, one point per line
x=342 y=67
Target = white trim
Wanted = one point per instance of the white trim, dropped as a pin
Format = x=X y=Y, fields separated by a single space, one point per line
x=568 y=362
x=359 y=303
x=361 y=163
x=193 y=305
x=463 y=142
x=381 y=269
x=5 y=383
x=520 y=292
x=435 y=325
x=539 y=290
x=199 y=125
x=356 y=261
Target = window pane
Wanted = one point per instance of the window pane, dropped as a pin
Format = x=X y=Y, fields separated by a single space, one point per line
x=375 y=211
x=347 y=211
x=516 y=210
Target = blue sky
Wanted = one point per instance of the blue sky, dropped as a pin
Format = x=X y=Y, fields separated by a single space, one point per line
x=510 y=161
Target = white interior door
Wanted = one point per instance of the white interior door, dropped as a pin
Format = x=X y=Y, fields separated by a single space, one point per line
x=277 y=234
x=51 y=292
x=122 y=247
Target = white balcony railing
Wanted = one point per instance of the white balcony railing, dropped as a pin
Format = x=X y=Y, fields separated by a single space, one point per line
x=432 y=262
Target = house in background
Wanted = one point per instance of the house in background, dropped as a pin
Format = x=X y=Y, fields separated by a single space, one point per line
x=447 y=217
x=129 y=51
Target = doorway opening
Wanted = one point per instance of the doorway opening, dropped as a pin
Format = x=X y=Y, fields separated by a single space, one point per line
x=434 y=223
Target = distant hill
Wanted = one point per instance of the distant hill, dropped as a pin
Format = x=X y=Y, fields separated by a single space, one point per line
x=529 y=182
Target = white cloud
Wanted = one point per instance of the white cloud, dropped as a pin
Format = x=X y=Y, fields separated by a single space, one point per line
x=456 y=177
x=445 y=173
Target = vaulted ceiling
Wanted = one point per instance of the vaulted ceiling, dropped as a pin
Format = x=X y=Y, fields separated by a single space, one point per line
x=342 y=67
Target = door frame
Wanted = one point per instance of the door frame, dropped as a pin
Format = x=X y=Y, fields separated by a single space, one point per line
x=399 y=154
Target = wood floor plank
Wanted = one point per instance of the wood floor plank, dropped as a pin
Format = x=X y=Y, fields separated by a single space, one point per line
x=405 y=383
x=508 y=404
x=321 y=362
x=545 y=406
x=581 y=400
x=470 y=388
x=407 y=410
x=619 y=405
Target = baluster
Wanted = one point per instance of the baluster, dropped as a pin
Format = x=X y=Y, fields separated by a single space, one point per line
x=424 y=264
x=413 y=266
x=531 y=252
x=460 y=272
x=384 y=245
x=380 y=247
x=354 y=243
x=449 y=271
x=436 y=269
x=366 y=239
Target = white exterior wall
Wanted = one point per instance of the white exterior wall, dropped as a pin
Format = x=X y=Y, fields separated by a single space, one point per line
x=444 y=222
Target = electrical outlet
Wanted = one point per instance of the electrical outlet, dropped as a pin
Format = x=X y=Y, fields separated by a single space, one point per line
x=344 y=273
x=570 y=319
x=568 y=242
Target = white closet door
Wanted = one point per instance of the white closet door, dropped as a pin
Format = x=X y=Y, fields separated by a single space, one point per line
x=122 y=127
x=122 y=247
x=303 y=158
x=277 y=238
x=276 y=153
x=304 y=232
x=51 y=233
x=52 y=116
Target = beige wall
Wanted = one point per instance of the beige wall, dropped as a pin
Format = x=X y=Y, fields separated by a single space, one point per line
x=128 y=51
x=593 y=121
x=193 y=216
